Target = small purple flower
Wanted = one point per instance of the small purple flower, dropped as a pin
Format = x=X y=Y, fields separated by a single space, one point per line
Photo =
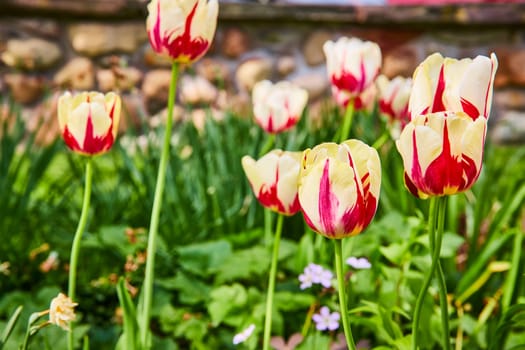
x=315 y=274
x=358 y=263
x=244 y=335
x=325 y=320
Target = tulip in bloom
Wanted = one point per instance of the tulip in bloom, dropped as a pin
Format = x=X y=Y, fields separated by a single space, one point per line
x=89 y=121
x=352 y=64
x=447 y=84
x=273 y=179
x=442 y=153
x=278 y=107
x=182 y=29
x=393 y=101
x=61 y=311
x=339 y=187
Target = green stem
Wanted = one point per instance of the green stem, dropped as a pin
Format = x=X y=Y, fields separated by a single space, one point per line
x=268 y=145
x=342 y=294
x=75 y=249
x=268 y=220
x=442 y=285
x=155 y=214
x=513 y=273
x=382 y=139
x=435 y=239
x=271 y=284
x=347 y=122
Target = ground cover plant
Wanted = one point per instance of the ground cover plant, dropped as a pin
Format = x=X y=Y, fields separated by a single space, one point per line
x=286 y=229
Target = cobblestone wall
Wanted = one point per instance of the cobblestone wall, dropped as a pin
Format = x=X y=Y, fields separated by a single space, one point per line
x=49 y=46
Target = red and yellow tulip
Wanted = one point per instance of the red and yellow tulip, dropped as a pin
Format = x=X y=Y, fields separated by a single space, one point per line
x=89 y=121
x=352 y=64
x=182 y=29
x=339 y=187
x=273 y=179
x=278 y=107
x=443 y=84
x=393 y=101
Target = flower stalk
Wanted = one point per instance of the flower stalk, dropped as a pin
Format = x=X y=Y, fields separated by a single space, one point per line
x=155 y=214
x=75 y=249
x=342 y=294
x=271 y=283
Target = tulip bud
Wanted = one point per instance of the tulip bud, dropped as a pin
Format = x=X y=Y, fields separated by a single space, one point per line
x=339 y=187
x=182 y=29
x=89 y=121
x=278 y=107
x=273 y=179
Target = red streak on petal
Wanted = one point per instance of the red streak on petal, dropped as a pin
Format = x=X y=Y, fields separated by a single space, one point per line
x=328 y=203
x=269 y=197
x=438 y=104
x=469 y=108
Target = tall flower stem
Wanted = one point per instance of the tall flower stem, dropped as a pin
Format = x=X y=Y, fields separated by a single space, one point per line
x=271 y=284
x=342 y=293
x=155 y=214
x=347 y=121
x=75 y=248
x=436 y=217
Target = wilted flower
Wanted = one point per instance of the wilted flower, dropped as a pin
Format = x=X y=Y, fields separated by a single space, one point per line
x=61 y=311
x=89 y=121
x=325 y=320
x=358 y=263
x=339 y=187
x=273 y=179
x=278 y=107
x=244 y=335
x=182 y=29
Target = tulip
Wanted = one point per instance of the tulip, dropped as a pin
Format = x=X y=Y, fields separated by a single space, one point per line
x=393 y=101
x=182 y=29
x=278 y=107
x=442 y=153
x=339 y=187
x=447 y=84
x=89 y=121
x=273 y=179
x=365 y=101
x=352 y=64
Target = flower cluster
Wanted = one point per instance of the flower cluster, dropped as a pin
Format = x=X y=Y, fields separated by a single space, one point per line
x=315 y=274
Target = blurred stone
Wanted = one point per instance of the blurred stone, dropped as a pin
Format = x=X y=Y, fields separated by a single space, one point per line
x=77 y=74
x=400 y=62
x=251 y=71
x=40 y=27
x=509 y=128
x=512 y=99
x=234 y=43
x=25 y=89
x=133 y=112
x=213 y=70
x=197 y=90
x=44 y=121
x=516 y=64
x=286 y=65
x=111 y=61
x=313 y=47
x=31 y=54
x=155 y=87
x=316 y=84
x=118 y=78
x=153 y=59
x=94 y=39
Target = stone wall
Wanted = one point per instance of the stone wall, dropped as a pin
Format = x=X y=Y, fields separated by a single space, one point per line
x=51 y=45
